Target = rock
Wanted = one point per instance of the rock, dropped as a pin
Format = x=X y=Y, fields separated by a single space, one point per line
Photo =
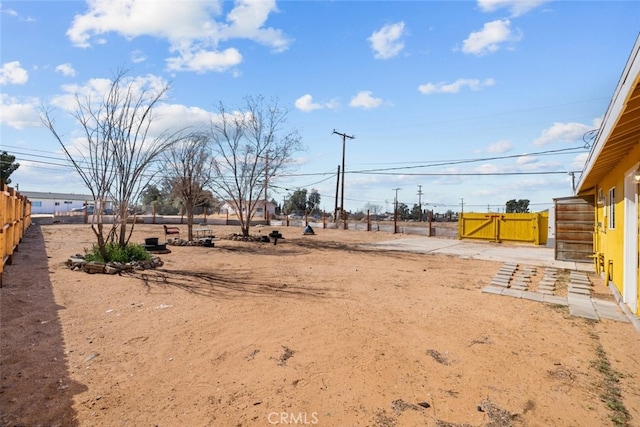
x=111 y=270
x=94 y=267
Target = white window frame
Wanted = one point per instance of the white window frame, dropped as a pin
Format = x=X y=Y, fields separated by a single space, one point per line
x=612 y=209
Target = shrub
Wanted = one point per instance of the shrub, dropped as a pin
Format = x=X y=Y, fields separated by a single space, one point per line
x=117 y=253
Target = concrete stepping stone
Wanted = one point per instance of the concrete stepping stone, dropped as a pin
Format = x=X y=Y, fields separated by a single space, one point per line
x=579 y=291
x=499 y=284
x=552 y=299
x=585 y=287
x=532 y=296
x=580 y=305
x=492 y=290
x=609 y=310
x=512 y=293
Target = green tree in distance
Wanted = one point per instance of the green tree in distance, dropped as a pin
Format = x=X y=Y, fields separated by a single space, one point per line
x=296 y=202
x=7 y=167
x=517 y=206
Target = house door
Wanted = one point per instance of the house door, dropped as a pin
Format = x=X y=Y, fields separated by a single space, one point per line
x=630 y=244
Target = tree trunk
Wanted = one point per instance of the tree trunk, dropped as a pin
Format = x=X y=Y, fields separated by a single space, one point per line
x=190 y=224
x=102 y=246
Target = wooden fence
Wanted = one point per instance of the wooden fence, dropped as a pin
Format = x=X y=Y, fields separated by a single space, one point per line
x=15 y=218
x=496 y=227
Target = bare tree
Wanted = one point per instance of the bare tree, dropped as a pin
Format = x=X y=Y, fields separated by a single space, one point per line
x=250 y=147
x=188 y=171
x=373 y=208
x=116 y=152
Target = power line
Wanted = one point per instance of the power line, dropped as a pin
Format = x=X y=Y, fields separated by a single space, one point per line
x=482 y=159
x=469 y=173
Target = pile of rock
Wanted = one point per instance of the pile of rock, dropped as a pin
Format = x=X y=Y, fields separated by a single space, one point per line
x=242 y=238
x=78 y=263
x=197 y=242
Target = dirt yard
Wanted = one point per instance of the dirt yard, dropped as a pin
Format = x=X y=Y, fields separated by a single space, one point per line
x=316 y=330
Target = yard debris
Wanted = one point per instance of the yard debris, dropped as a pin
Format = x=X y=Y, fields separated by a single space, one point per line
x=499 y=417
x=483 y=340
x=438 y=357
x=91 y=356
x=400 y=406
x=287 y=354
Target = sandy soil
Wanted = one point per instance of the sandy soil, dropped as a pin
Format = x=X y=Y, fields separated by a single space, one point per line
x=316 y=330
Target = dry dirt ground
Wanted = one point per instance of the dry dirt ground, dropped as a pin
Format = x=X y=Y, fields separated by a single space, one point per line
x=316 y=330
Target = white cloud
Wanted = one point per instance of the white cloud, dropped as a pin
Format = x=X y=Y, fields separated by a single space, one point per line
x=247 y=19
x=305 y=103
x=515 y=7
x=364 y=100
x=387 y=41
x=562 y=132
x=137 y=56
x=13 y=73
x=96 y=89
x=14 y=13
x=500 y=147
x=526 y=160
x=178 y=116
x=455 y=87
x=189 y=27
x=492 y=168
x=9 y=12
x=490 y=38
x=579 y=161
x=203 y=61
x=19 y=115
x=66 y=70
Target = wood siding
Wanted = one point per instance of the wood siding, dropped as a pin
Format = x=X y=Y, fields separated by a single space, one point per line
x=574 y=228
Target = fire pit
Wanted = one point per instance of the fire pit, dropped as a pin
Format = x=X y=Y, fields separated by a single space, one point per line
x=152 y=245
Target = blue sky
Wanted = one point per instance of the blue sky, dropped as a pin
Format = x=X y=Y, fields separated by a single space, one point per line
x=479 y=102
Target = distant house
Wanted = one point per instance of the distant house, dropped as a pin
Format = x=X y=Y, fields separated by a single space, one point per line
x=229 y=207
x=52 y=203
x=611 y=177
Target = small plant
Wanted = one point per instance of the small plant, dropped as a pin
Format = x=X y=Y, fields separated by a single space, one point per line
x=611 y=394
x=117 y=253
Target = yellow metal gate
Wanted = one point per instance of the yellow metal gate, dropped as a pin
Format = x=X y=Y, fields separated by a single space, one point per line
x=516 y=227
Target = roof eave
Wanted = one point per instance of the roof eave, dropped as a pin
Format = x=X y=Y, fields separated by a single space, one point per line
x=625 y=87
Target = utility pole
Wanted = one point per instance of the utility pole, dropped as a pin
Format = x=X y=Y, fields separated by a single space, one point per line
x=266 y=184
x=573 y=182
x=395 y=211
x=420 y=201
x=344 y=143
x=462 y=205
x=335 y=211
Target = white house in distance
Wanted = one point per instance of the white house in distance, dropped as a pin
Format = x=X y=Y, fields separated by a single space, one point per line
x=229 y=208
x=52 y=203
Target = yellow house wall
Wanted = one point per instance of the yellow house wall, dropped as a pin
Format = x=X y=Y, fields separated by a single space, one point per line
x=610 y=241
